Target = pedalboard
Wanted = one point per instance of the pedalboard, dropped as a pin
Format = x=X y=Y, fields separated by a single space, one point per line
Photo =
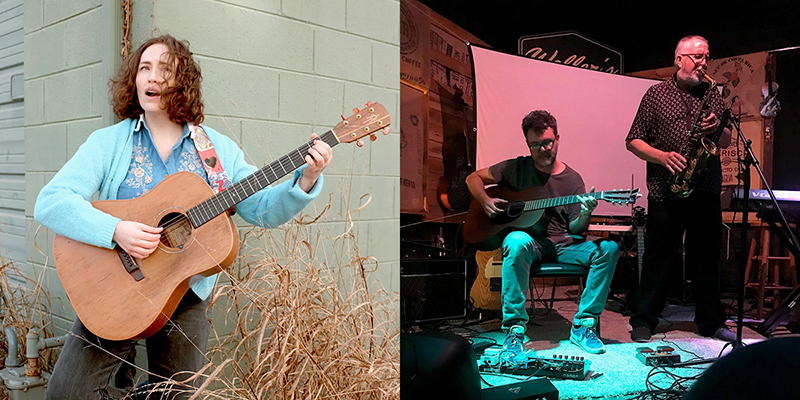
x=558 y=366
x=662 y=355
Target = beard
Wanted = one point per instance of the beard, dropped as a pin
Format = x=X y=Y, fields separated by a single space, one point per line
x=545 y=161
x=692 y=78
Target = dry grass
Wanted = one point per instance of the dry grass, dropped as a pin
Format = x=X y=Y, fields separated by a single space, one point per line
x=24 y=305
x=305 y=320
x=303 y=323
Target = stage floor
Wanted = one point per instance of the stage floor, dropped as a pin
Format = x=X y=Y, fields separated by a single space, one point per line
x=618 y=373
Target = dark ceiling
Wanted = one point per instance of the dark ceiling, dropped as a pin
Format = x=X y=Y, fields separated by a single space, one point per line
x=645 y=32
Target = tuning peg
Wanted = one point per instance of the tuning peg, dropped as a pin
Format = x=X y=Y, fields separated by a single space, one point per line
x=369 y=103
x=385 y=131
x=360 y=143
x=372 y=137
x=355 y=110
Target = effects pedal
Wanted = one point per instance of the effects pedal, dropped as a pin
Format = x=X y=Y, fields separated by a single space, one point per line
x=662 y=355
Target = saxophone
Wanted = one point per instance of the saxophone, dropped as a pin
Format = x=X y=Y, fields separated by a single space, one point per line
x=697 y=150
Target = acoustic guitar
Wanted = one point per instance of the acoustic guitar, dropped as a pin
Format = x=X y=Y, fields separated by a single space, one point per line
x=523 y=212
x=118 y=297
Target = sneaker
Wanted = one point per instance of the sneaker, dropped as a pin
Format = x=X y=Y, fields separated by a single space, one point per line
x=512 y=347
x=640 y=334
x=586 y=338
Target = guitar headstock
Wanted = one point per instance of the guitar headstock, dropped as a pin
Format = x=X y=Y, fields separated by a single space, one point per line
x=621 y=196
x=373 y=117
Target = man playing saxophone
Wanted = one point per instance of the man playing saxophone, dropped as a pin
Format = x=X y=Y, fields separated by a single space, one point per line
x=669 y=113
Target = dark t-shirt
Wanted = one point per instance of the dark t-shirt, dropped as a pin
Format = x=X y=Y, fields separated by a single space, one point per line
x=520 y=173
x=663 y=121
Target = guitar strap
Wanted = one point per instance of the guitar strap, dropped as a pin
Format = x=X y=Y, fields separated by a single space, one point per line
x=217 y=176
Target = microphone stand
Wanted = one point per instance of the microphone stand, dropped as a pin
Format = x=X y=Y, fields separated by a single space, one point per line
x=748 y=161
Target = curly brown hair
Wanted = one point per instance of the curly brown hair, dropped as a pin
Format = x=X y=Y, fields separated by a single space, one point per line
x=183 y=101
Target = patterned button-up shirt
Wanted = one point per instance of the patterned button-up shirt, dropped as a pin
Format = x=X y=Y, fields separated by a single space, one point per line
x=663 y=121
x=147 y=168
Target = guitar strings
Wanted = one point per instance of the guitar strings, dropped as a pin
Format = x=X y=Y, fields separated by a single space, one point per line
x=217 y=204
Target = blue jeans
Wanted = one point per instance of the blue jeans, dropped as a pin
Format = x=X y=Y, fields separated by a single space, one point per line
x=86 y=368
x=521 y=252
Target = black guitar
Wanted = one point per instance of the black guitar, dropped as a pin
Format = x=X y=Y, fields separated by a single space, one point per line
x=639 y=219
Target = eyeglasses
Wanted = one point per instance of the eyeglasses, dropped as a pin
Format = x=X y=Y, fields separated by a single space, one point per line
x=699 y=57
x=543 y=145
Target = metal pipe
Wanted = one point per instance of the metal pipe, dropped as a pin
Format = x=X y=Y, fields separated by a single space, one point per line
x=12 y=359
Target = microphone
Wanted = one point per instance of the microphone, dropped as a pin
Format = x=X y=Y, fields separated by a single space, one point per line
x=723 y=121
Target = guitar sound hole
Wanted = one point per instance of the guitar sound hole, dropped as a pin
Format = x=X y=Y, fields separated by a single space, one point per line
x=177 y=230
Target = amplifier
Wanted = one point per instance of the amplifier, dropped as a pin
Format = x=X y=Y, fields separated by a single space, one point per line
x=432 y=290
x=531 y=389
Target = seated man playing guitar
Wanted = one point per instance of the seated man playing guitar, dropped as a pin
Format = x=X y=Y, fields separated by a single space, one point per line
x=553 y=238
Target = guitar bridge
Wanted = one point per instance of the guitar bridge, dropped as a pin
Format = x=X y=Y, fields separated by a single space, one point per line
x=130 y=264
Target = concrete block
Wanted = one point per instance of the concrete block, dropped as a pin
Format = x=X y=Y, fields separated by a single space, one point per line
x=39 y=247
x=228 y=126
x=34 y=104
x=385 y=155
x=101 y=100
x=386 y=65
x=309 y=99
x=379 y=191
x=49 y=55
x=355 y=93
x=350 y=160
x=79 y=131
x=57 y=11
x=82 y=37
x=45 y=147
x=67 y=95
x=327 y=13
x=34 y=15
x=384 y=278
x=384 y=239
x=269 y=6
x=239 y=34
x=266 y=141
x=344 y=56
x=378 y=19
x=34 y=182
x=240 y=90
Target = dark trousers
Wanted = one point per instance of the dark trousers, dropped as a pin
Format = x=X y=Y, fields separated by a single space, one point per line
x=700 y=217
x=87 y=364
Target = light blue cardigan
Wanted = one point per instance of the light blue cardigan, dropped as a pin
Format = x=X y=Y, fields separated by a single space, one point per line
x=101 y=164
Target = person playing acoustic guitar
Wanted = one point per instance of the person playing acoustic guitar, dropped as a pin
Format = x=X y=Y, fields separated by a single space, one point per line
x=560 y=242
x=156 y=94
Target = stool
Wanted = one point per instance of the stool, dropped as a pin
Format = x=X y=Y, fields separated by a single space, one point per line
x=769 y=272
x=555 y=271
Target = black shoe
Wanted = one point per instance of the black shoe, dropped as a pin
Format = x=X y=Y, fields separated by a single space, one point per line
x=640 y=334
x=724 y=334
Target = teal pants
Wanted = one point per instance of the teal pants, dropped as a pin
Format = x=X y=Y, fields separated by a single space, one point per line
x=521 y=252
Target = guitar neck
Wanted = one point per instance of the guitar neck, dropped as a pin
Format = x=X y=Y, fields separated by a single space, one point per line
x=541 y=204
x=250 y=185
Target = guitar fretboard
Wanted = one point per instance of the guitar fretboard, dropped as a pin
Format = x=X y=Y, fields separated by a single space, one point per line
x=250 y=185
x=557 y=201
